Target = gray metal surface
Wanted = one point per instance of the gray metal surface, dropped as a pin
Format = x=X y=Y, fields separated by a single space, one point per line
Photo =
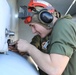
x=14 y=64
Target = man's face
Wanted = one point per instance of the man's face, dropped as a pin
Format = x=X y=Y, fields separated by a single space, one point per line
x=39 y=29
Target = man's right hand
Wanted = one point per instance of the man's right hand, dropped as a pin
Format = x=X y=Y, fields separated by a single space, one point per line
x=13 y=47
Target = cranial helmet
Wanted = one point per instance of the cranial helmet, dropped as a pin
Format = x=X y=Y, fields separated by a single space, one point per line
x=42 y=12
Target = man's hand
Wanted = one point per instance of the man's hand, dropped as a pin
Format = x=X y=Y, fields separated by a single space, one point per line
x=13 y=47
x=23 y=45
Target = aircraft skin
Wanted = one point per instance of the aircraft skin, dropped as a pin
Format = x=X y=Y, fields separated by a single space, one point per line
x=11 y=63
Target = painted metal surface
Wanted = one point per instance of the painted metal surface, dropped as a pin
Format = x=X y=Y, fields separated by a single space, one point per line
x=14 y=64
x=4 y=23
x=11 y=63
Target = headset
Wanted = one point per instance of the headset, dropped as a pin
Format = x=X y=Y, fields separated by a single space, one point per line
x=44 y=16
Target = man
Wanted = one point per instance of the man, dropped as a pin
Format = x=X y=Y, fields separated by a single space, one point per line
x=61 y=45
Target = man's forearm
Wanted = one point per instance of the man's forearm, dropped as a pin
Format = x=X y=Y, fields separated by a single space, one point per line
x=42 y=60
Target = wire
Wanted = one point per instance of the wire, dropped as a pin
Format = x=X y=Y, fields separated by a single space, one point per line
x=70 y=7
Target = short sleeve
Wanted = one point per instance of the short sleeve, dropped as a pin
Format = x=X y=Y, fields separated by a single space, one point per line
x=62 y=49
x=62 y=39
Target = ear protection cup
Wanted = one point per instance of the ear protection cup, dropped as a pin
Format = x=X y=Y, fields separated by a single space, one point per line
x=45 y=17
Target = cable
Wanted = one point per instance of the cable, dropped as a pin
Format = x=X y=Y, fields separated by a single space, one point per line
x=70 y=7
